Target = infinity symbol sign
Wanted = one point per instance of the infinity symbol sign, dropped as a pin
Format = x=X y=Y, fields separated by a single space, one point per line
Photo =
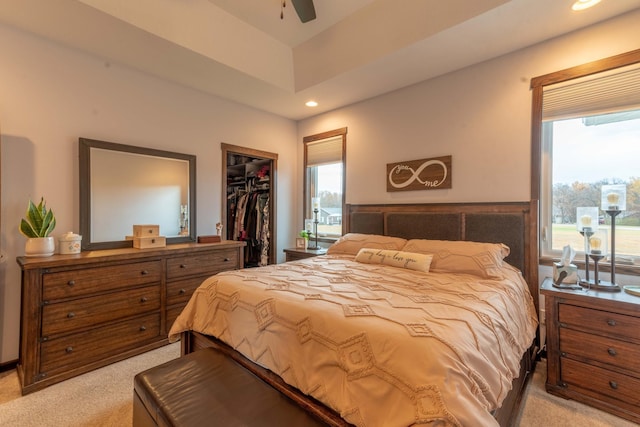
x=416 y=174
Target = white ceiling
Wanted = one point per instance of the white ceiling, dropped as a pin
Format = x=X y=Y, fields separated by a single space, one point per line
x=355 y=49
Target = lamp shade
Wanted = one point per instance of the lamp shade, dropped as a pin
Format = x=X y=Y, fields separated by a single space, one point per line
x=587 y=217
x=598 y=243
x=614 y=197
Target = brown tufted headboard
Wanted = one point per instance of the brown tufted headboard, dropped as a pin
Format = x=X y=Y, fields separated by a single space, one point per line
x=512 y=223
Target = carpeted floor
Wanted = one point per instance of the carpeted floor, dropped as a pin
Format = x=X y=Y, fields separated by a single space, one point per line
x=99 y=398
x=541 y=409
x=102 y=398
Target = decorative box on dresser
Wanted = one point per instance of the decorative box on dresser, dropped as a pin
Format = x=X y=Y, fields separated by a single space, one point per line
x=84 y=311
x=593 y=348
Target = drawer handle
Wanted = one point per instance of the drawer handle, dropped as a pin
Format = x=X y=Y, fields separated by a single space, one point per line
x=68 y=349
x=71 y=282
x=143 y=299
x=182 y=291
x=613 y=384
x=71 y=315
x=183 y=265
x=611 y=322
x=612 y=352
x=143 y=328
x=226 y=260
x=144 y=272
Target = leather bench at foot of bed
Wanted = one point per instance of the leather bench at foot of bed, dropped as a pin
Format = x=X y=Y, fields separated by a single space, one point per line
x=207 y=388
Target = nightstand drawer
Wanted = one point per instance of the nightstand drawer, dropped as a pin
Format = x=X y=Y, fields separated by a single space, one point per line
x=601 y=384
x=601 y=349
x=295 y=254
x=599 y=321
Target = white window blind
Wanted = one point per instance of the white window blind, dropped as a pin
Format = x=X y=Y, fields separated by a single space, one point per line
x=324 y=152
x=603 y=93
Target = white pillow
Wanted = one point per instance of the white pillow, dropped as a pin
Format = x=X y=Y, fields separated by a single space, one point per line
x=409 y=260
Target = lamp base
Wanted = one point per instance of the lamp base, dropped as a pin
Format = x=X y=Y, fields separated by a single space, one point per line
x=600 y=286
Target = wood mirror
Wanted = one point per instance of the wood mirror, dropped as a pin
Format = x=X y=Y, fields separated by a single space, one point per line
x=122 y=185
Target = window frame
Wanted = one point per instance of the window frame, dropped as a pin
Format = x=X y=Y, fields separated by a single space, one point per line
x=540 y=184
x=306 y=204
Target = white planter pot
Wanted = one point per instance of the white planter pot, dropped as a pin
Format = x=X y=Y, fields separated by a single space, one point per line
x=39 y=246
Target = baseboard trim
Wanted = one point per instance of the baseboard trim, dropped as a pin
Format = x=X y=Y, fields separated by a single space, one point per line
x=7 y=366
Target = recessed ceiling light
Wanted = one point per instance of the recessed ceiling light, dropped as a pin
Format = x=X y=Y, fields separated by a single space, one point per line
x=584 y=4
x=311 y=104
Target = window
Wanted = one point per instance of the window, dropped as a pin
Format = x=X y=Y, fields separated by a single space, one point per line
x=586 y=131
x=324 y=182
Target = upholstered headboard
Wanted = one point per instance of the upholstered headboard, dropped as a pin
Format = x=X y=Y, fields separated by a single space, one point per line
x=513 y=224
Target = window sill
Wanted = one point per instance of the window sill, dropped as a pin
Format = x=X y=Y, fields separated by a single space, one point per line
x=628 y=269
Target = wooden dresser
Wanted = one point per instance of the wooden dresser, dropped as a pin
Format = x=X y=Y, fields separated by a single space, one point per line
x=84 y=311
x=593 y=348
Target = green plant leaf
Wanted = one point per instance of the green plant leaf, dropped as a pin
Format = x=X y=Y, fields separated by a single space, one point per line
x=38 y=221
x=27 y=230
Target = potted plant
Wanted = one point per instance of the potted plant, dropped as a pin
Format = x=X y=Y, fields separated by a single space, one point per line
x=303 y=239
x=38 y=223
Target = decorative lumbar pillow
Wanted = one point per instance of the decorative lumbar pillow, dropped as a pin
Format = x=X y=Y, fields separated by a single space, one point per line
x=410 y=260
x=480 y=259
x=351 y=243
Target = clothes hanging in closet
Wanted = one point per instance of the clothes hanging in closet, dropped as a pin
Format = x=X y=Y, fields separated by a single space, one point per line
x=249 y=214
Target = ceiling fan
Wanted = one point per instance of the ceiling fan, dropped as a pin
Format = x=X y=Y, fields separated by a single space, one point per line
x=304 y=8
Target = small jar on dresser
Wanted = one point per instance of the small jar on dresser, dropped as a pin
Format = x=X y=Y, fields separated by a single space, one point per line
x=593 y=348
x=87 y=310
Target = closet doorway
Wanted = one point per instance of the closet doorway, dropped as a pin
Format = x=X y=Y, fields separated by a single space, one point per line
x=249 y=201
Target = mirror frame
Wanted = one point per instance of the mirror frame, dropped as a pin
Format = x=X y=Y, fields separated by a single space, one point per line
x=85 y=146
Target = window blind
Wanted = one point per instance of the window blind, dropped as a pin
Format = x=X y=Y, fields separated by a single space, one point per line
x=324 y=152
x=607 y=92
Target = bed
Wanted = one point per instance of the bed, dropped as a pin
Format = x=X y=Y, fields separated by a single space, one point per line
x=421 y=314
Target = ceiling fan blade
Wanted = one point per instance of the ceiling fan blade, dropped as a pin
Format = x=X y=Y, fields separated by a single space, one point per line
x=305 y=10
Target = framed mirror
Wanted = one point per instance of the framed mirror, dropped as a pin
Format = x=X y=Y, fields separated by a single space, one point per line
x=124 y=185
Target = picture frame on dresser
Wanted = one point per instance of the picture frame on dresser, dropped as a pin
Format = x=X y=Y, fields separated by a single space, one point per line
x=301 y=243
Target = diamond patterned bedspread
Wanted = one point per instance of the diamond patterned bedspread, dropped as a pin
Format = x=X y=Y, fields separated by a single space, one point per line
x=383 y=346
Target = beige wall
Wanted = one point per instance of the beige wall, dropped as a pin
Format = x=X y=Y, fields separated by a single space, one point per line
x=50 y=96
x=480 y=115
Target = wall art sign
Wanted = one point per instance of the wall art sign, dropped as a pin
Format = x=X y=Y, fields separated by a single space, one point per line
x=425 y=174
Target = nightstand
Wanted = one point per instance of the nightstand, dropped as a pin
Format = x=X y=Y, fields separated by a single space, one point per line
x=593 y=348
x=293 y=254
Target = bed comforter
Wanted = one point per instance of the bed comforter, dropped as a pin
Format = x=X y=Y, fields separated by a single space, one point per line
x=382 y=346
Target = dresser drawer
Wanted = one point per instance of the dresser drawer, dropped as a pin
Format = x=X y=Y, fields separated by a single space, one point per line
x=75 y=283
x=86 y=312
x=179 y=291
x=172 y=315
x=601 y=349
x=203 y=263
x=599 y=321
x=601 y=384
x=83 y=348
